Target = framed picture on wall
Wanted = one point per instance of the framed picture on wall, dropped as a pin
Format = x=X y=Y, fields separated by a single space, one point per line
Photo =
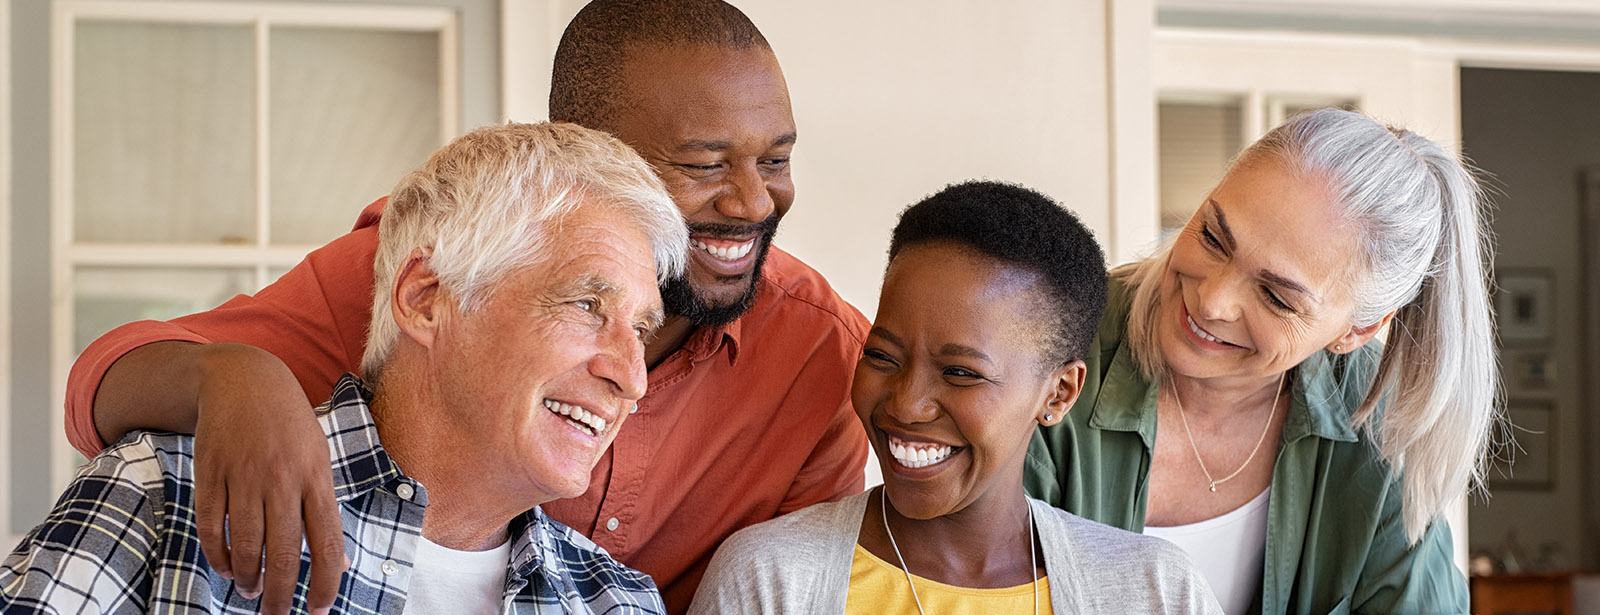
x=1529 y=461
x=1523 y=304
x=1528 y=372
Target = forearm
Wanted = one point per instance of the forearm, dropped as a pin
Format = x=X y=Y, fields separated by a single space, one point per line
x=159 y=385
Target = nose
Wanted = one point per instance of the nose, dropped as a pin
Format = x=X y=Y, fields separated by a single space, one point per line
x=1218 y=298
x=909 y=401
x=620 y=360
x=746 y=196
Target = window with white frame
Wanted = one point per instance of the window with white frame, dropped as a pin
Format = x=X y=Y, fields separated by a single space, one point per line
x=202 y=149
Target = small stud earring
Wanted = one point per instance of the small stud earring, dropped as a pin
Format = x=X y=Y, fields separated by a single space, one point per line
x=1338 y=347
x=1048 y=417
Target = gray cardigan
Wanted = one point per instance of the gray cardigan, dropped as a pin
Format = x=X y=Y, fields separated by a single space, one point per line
x=800 y=563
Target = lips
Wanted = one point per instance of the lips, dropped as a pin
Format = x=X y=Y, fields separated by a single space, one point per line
x=1201 y=337
x=914 y=454
x=726 y=251
x=580 y=418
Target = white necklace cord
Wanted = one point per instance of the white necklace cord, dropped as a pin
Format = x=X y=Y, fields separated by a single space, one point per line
x=1196 y=448
x=1033 y=561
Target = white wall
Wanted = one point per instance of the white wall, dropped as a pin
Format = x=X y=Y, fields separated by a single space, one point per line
x=895 y=99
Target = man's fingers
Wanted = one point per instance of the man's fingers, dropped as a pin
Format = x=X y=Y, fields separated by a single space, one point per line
x=282 y=557
x=245 y=534
x=325 y=537
x=210 y=517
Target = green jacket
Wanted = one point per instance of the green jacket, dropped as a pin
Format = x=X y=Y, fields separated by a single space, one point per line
x=1336 y=540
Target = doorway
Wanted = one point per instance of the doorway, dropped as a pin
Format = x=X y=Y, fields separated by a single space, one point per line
x=1536 y=136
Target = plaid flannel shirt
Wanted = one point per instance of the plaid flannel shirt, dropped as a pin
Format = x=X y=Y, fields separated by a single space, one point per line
x=122 y=539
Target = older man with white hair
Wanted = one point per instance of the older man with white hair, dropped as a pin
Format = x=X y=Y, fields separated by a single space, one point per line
x=517 y=277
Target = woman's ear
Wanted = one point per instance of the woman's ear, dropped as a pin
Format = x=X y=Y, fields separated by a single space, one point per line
x=1066 y=382
x=1358 y=336
x=416 y=299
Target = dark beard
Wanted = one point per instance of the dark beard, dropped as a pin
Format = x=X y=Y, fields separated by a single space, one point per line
x=680 y=298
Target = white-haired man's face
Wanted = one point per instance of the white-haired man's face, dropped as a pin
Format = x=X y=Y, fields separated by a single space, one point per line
x=540 y=378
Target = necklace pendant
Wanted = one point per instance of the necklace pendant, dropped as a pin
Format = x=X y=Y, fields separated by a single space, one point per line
x=1213 y=487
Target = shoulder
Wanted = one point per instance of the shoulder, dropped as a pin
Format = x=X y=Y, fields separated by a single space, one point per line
x=588 y=560
x=601 y=582
x=146 y=459
x=789 y=539
x=1131 y=568
x=793 y=562
x=1106 y=543
x=799 y=298
x=110 y=523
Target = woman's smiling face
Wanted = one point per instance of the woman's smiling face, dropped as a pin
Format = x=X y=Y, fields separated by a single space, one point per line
x=1260 y=278
x=953 y=379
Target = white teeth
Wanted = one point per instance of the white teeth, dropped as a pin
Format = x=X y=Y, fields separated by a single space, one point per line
x=727 y=254
x=913 y=457
x=1203 y=335
x=585 y=420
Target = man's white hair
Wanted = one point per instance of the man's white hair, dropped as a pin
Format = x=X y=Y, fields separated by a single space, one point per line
x=492 y=201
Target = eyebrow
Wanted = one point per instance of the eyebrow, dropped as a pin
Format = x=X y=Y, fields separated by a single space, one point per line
x=965 y=351
x=880 y=332
x=1270 y=276
x=712 y=145
x=653 y=319
x=947 y=349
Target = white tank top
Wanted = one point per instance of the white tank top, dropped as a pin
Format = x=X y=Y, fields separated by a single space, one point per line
x=449 y=581
x=1228 y=550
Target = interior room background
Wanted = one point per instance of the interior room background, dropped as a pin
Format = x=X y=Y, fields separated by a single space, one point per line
x=159 y=157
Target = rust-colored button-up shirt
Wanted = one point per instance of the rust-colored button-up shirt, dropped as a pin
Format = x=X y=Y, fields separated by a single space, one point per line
x=740 y=425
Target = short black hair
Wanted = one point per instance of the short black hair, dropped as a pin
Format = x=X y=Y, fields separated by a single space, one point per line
x=585 y=82
x=1026 y=229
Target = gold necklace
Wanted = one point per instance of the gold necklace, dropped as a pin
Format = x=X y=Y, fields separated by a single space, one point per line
x=1033 y=562
x=1247 y=460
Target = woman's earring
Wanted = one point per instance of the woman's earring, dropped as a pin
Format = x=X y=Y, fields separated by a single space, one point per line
x=1048 y=417
x=1338 y=347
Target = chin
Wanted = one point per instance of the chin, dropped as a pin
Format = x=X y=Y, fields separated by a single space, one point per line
x=914 y=503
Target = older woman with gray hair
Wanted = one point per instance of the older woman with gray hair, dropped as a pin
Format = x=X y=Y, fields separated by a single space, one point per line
x=1302 y=464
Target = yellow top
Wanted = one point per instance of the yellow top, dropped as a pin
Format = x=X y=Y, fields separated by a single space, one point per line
x=878 y=587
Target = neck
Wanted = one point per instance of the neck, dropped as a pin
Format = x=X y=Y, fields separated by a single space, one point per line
x=668 y=339
x=987 y=544
x=465 y=511
x=1205 y=396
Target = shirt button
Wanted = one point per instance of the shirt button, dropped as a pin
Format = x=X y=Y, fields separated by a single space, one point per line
x=389 y=568
x=405 y=491
x=611 y=524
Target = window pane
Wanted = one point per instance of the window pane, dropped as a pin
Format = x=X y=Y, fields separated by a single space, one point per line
x=164 y=133
x=1197 y=140
x=106 y=297
x=351 y=112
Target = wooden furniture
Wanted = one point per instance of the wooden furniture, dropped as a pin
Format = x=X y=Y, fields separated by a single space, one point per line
x=1547 y=593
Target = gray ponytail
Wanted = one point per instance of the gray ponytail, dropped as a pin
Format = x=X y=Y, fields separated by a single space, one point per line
x=1426 y=247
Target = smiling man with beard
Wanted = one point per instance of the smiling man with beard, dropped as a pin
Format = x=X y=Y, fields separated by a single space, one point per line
x=747 y=414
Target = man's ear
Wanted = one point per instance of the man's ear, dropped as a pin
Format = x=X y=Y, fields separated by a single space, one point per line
x=1066 y=382
x=1358 y=336
x=415 y=300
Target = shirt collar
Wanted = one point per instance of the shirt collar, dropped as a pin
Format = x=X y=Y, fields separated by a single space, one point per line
x=1319 y=401
x=1322 y=406
x=706 y=341
x=359 y=462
